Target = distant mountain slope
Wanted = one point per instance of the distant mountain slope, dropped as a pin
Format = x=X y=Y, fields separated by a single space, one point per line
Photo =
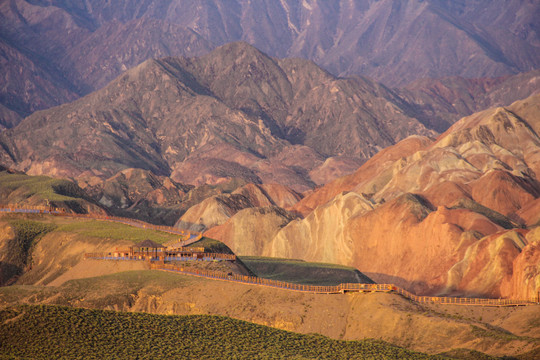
x=79 y=46
x=440 y=102
x=233 y=113
x=28 y=85
x=53 y=53
x=397 y=42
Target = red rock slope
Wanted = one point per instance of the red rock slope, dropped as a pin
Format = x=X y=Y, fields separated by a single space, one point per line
x=457 y=215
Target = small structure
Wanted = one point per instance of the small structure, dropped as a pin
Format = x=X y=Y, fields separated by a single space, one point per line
x=147 y=249
x=179 y=247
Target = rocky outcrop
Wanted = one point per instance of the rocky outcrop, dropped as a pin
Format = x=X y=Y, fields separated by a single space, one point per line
x=213 y=211
x=269 y=194
x=251 y=230
x=524 y=282
x=217 y=209
x=132 y=186
x=140 y=194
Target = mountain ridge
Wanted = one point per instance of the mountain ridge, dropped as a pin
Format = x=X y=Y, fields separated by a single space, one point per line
x=80 y=47
x=228 y=113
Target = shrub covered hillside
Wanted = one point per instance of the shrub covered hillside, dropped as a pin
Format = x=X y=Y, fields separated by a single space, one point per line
x=15 y=254
x=51 y=332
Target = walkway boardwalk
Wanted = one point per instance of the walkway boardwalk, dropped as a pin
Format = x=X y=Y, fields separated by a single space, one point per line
x=341 y=288
x=159 y=264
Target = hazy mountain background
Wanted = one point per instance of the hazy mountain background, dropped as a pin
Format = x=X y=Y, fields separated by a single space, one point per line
x=238 y=113
x=54 y=51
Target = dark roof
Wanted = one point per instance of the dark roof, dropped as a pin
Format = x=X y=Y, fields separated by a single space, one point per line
x=149 y=244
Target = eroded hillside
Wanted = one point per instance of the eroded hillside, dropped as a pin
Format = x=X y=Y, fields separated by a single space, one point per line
x=234 y=113
x=451 y=216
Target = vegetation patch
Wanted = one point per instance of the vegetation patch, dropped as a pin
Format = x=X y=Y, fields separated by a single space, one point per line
x=530 y=355
x=53 y=332
x=115 y=231
x=19 y=249
x=119 y=290
x=492 y=215
x=27 y=232
x=126 y=281
x=499 y=334
x=302 y=272
x=42 y=187
x=213 y=246
x=467 y=354
x=15 y=293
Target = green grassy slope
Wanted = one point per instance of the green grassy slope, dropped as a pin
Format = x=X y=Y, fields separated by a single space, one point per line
x=21 y=187
x=25 y=190
x=211 y=245
x=47 y=332
x=302 y=272
x=115 y=231
x=17 y=253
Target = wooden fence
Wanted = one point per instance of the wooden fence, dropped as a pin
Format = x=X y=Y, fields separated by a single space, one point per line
x=160 y=255
x=341 y=288
x=109 y=256
x=463 y=301
x=30 y=209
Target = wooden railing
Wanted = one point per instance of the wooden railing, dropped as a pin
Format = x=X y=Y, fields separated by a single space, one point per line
x=185 y=249
x=159 y=255
x=462 y=300
x=30 y=209
x=204 y=256
x=341 y=288
x=109 y=256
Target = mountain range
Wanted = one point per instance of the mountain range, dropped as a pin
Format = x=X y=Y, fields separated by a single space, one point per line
x=236 y=113
x=56 y=51
x=430 y=184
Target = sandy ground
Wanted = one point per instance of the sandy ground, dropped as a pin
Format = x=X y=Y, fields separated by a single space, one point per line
x=91 y=268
